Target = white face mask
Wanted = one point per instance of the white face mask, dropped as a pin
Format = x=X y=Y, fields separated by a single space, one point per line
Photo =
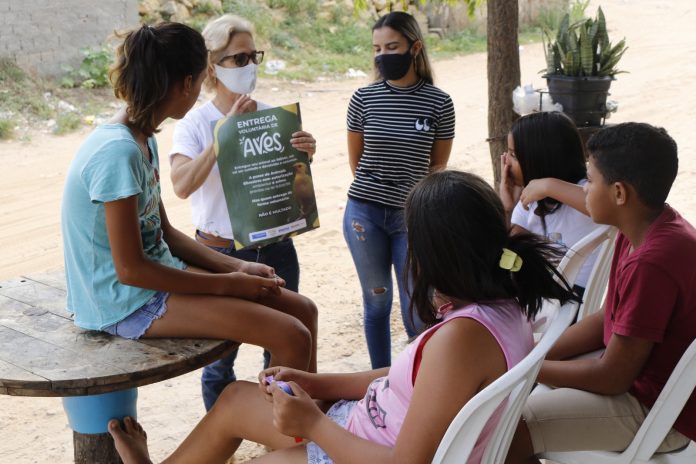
x=238 y=80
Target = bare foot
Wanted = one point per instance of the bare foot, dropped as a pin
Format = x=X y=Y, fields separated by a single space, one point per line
x=130 y=441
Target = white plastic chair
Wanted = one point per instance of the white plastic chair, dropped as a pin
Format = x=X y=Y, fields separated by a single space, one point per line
x=655 y=427
x=603 y=238
x=596 y=287
x=514 y=385
x=571 y=264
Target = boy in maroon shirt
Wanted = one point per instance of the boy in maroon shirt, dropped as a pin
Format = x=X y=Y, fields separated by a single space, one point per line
x=648 y=319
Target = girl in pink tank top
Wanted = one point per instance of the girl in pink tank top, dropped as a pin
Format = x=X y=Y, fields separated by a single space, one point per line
x=476 y=288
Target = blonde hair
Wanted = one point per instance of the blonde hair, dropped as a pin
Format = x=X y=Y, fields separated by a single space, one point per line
x=217 y=35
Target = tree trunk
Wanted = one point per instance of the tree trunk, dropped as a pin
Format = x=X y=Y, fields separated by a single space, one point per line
x=503 y=75
x=95 y=449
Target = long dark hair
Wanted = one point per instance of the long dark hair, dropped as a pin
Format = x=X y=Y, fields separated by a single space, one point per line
x=456 y=235
x=548 y=144
x=148 y=62
x=406 y=25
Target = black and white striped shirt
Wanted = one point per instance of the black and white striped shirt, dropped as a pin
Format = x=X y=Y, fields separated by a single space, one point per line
x=399 y=126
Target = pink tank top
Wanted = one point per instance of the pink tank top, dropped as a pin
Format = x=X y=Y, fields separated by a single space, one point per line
x=379 y=415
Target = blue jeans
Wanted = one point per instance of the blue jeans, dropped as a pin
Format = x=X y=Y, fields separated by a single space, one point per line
x=282 y=257
x=376 y=238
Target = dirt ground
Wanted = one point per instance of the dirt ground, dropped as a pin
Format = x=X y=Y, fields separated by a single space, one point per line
x=660 y=89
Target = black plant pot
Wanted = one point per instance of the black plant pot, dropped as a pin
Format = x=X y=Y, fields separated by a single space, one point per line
x=584 y=99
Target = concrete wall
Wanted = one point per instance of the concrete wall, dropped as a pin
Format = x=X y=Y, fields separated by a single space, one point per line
x=43 y=35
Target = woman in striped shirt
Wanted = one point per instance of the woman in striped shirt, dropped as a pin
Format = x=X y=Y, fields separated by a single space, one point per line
x=400 y=128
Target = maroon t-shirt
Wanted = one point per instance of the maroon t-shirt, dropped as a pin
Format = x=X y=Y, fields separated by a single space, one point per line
x=652 y=295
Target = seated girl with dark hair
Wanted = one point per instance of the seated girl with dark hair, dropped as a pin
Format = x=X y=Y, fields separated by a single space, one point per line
x=542 y=174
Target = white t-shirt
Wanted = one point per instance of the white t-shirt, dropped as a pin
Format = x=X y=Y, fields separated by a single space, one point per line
x=564 y=226
x=192 y=135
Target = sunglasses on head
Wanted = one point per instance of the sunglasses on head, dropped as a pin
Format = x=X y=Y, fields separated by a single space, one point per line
x=242 y=59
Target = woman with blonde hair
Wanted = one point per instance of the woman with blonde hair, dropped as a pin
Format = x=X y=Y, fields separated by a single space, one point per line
x=231 y=76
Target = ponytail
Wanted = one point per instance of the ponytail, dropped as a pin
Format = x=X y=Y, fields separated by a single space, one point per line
x=537 y=279
x=148 y=62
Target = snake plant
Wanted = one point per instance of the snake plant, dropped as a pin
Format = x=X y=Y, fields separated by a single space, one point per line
x=582 y=49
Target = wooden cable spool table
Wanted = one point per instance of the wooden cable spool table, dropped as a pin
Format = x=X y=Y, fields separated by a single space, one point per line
x=42 y=353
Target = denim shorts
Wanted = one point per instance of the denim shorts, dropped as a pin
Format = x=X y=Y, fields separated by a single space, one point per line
x=136 y=324
x=338 y=413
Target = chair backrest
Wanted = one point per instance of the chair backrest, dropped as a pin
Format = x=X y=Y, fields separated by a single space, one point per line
x=514 y=386
x=576 y=255
x=571 y=264
x=599 y=276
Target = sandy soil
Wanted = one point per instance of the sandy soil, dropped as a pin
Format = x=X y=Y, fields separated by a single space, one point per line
x=659 y=89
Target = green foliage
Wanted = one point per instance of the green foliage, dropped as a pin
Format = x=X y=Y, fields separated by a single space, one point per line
x=295 y=7
x=39 y=107
x=467 y=41
x=149 y=18
x=93 y=71
x=577 y=10
x=21 y=94
x=198 y=23
x=67 y=122
x=205 y=8
x=311 y=42
x=10 y=72
x=6 y=129
x=316 y=40
x=582 y=48
x=550 y=18
x=362 y=5
x=473 y=4
x=284 y=40
x=26 y=101
x=254 y=11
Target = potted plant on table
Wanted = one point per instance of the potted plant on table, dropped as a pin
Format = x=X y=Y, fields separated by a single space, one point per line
x=580 y=66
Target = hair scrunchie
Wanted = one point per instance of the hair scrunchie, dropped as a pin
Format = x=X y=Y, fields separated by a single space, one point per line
x=510 y=260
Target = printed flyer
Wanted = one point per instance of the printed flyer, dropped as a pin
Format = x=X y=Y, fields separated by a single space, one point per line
x=267 y=183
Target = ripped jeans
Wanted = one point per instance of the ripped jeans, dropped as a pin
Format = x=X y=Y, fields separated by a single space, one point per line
x=376 y=238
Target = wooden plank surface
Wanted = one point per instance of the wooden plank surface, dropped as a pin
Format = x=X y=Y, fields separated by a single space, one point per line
x=5 y=284
x=18 y=374
x=42 y=353
x=52 y=279
x=38 y=295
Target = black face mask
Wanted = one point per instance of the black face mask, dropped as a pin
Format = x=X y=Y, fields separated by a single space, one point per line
x=394 y=66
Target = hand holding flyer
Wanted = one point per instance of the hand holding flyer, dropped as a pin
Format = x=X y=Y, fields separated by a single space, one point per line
x=267 y=183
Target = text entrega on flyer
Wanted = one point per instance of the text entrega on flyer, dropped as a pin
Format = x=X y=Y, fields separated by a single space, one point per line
x=267 y=183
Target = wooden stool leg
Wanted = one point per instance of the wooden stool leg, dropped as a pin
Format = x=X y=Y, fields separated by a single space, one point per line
x=88 y=417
